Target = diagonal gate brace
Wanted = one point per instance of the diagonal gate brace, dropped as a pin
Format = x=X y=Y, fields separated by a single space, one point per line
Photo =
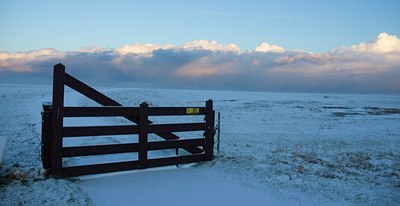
x=102 y=99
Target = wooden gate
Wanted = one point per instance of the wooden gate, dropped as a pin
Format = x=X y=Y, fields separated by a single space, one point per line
x=54 y=131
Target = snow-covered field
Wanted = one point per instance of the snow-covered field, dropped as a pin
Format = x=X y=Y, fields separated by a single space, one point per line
x=276 y=148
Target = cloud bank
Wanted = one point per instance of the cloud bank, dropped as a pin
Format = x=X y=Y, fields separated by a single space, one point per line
x=372 y=67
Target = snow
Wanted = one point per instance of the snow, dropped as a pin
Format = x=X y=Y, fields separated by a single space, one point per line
x=173 y=186
x=3 y=142
x=276 y=148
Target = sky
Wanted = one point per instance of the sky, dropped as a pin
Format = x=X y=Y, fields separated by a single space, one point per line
x=286 y=45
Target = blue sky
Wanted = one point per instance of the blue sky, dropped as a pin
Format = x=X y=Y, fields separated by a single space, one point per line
x=286 y=45
x=311 y=25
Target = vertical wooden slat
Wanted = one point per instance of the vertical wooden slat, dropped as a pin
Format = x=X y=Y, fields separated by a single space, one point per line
x=209 y=133
x=57 y=120
x=143 y=134
x=46 y=135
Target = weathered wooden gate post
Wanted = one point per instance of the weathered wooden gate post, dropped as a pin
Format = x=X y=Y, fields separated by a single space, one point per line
x=143 y=134
x=57 y=120
x=209 y=133
x=46 y=135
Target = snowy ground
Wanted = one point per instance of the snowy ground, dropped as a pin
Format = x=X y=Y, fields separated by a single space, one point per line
x=277 y=148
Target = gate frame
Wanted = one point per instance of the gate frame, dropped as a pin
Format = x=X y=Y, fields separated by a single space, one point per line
x=53 y=131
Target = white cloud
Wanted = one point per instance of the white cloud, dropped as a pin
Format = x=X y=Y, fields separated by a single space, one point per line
x=143 y=49
x=21 y=61
x=147 y=49
x=42 y=53
x=210 y=45
x=384 y=51
x=265 y=47
x=383 y=43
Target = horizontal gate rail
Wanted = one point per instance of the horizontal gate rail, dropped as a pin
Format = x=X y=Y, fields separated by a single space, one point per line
x=100 y=130
x=129 y=165
x=166 y=128
x=108 y=111
x=99 y=168
x=99 y=149
x=130 y=129
x=53 y=132
x=172 y=144
x=171 y=111
x=129 y=147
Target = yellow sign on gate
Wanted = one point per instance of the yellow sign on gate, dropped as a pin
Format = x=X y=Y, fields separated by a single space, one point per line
x=193 y=110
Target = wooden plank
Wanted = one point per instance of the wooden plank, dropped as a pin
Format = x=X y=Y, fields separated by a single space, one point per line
x=129 y=147
x=106 y=101
x=166 y=128
x=99 y=168
x=170 y=111
x=143 y=134
x=100 y=111
x=57 y=120
x=100 y=130
x=175 y=160
x=99 y=149
x=128 y=165
x=172 y=144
